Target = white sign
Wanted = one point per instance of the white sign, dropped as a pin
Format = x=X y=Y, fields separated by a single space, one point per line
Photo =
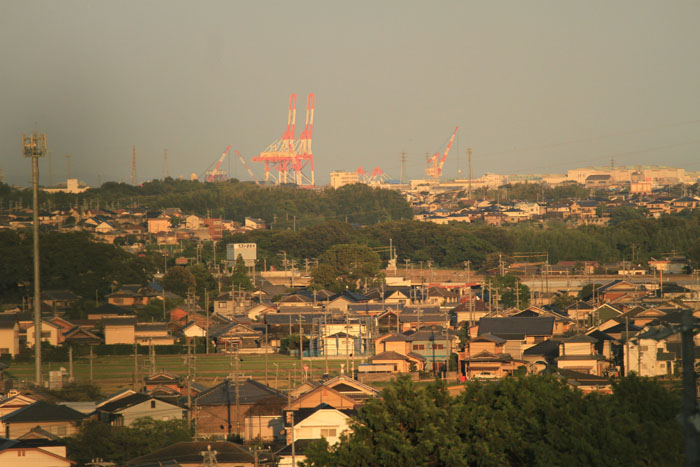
x=249 y=252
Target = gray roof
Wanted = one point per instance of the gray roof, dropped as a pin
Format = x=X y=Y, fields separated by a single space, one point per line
x=190 y=452
x=502 y=327
x=41 y=411
x=249 y=392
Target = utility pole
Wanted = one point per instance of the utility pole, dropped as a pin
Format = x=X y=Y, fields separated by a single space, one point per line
x=34 y=146
x=238 y=398
x=469 y=156
x=136 y=364
x=206 y=331
x=189 y=385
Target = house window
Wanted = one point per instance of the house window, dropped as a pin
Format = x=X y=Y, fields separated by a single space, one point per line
x=327 y=432
x=153 y=404
x=222 y=304
x=438 y=346
x=45 y=334
x=418 y=346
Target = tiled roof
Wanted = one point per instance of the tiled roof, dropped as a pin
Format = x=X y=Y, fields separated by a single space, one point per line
x=41 y=411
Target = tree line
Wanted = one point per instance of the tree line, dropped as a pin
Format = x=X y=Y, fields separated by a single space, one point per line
x=280 y=207
x=517 y=421
x=629 y=238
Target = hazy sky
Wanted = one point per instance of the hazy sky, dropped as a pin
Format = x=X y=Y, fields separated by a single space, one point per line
x=535 y=86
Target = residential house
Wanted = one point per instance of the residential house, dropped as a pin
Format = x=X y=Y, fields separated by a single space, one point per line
x=578 y=353
x=322 y=395
x=484 y=357
x=108 y=310
x=34 y=452
x=12 y=404
x=9 y=334
x=322 y=421
x=433 y=343
x=648 y=357
x=126 y=410
x=394 y=362
x=59 y=420
x=120 y=331
x=59 y=300
x=158 y=225
x=230 y=336
x=153 y=334
x=50 y=333
x=248 y=408
x=520 y=333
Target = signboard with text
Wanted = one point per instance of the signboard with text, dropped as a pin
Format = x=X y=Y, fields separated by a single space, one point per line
x=249 y=252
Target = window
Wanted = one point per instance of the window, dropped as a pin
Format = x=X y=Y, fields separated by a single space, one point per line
x=438 y=346
x=418 y=346
x=222 y=304
x=153 y=404
x=45 y=334
x=327 y=432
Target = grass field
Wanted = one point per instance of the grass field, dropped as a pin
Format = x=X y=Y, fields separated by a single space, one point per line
x=112 y=373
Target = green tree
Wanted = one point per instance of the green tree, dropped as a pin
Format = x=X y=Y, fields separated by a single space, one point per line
x=240 y=275
x=512 y=291
x=519 y=421
x=179 y=280
x=347 y=267
x=120 y=444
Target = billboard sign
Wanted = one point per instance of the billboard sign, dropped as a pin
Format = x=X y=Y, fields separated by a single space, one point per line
x=249 y=252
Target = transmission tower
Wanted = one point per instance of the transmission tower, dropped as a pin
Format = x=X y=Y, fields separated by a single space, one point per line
x=133 y=165
x=403 y=167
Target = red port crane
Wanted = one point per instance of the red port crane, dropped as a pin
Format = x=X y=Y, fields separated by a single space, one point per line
x=216 y=174
x=434 y=166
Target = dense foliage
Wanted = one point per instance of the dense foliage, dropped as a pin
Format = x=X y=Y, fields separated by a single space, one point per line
x=346 y=267
x=523 y=421
x=450 y=245
x=68 y=261
x=278 y=206
x=119 y=444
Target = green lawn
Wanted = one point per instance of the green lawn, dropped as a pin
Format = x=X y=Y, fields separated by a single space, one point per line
x=112 y=373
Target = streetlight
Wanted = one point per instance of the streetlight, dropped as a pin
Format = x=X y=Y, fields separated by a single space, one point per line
x=34 y=146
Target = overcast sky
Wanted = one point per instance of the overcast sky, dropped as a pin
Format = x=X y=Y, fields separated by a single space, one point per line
x=535 y=86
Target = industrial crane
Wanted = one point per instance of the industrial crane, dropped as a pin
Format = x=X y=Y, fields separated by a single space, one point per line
x=216 y=174
x=434 y=167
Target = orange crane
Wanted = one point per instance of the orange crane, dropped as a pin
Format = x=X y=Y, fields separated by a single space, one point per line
x=434 y=167
x=215 y=174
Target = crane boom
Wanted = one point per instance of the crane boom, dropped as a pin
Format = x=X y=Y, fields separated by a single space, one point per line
x=215 y=171
x=447 y=150
x=245 y=164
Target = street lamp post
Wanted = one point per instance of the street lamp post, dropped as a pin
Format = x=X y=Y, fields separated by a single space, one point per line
x=34 y=146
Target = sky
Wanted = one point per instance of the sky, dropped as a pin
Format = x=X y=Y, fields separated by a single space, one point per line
x=535 y=87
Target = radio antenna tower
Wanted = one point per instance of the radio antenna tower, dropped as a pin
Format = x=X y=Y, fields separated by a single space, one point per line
x=133 y=165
